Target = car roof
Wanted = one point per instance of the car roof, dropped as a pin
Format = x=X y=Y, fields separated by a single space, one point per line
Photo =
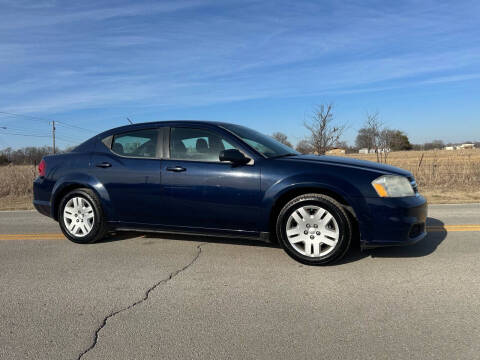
x=159 y=123
x=88 y=143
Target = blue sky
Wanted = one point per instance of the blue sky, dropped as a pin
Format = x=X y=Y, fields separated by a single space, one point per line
x=264 y=64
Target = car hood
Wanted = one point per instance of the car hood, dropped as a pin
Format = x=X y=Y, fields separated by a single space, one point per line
x=344 y=161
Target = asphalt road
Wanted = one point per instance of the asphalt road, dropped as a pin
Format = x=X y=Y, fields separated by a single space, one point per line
x=177 y=297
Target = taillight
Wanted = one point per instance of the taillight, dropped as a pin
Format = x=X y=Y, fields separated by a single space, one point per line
x=42 y=168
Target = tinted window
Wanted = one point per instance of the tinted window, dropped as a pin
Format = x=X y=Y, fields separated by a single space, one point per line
x=141 y=143
x=196 y=144
x=264 y=144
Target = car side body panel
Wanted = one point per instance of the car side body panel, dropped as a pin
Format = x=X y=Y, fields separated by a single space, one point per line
x=211 y=195
x=78 y=179
x=128 y=182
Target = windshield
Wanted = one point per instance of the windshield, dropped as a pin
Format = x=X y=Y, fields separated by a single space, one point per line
x=264 y=144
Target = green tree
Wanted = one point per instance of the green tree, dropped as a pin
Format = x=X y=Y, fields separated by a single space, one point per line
x=398 y=140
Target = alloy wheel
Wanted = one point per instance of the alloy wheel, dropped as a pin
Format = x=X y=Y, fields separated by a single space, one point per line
x=312 y=231
x=78 y=216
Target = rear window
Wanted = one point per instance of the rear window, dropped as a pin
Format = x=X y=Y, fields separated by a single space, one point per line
x=140 y=143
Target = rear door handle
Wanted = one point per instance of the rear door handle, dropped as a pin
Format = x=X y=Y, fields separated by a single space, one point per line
x=176 y=169
x=104 y=165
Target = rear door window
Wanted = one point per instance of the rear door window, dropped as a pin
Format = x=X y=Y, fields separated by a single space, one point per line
x=140 y=143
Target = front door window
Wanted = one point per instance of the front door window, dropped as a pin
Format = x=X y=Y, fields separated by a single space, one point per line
x=196 y=144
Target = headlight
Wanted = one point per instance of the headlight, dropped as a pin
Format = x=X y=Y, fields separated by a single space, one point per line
x=393 y=186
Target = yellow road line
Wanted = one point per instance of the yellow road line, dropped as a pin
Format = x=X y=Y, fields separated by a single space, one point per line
x=56 y=236
x=60 y=236
x=454 y=228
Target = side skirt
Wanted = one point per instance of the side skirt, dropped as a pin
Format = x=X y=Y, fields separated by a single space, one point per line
x=262 y=236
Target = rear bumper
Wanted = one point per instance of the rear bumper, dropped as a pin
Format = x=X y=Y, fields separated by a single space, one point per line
x=41 y=196
x=43 y=207
x=395 y=221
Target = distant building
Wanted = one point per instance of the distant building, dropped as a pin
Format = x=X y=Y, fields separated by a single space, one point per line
x=335 y=151
x=372 y=151
x=460 y=147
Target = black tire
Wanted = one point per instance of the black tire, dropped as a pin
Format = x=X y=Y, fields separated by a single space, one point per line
x=340 y=216
x=99 y=228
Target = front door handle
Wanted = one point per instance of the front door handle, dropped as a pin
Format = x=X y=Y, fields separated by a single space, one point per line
x=176 y=169
x=104 y=165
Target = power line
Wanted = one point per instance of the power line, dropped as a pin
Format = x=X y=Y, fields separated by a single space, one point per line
x=19 y=131
x=15 y=128
x=27 y=132
x=24 y=116
x=29 y=117
x=73 y=126
x=16 y=134
x=40 y=132
x=67 y=140
x=41 y=136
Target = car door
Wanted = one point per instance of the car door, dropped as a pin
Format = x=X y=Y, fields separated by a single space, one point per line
x=128 y=166
x=202 y=192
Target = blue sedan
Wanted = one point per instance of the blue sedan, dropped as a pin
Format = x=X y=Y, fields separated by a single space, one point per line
x=221 y=179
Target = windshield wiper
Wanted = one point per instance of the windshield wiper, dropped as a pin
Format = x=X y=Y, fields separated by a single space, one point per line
x=283 y=155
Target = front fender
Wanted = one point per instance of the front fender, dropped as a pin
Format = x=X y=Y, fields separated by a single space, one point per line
x=313 y=180
x=81 y=180
x=336 y=184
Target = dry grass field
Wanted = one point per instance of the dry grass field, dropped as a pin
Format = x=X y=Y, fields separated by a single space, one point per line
x=443 y=176
x=16 y=187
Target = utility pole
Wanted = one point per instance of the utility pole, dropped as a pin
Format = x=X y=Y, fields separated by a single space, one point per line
x=53 y=136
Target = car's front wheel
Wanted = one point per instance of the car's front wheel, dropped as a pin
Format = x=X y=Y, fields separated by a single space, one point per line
x=81 y=217
x=314 y=229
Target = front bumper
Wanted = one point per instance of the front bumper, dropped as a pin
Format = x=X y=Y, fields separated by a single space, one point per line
x=395 y=221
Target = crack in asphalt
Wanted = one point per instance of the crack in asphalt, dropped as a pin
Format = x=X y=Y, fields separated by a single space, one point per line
x=144 y=298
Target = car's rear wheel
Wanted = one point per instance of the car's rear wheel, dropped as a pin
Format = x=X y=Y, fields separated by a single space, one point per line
x=81 y=217
x=314 y=229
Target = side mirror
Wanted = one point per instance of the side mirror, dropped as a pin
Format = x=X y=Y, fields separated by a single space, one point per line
x=234 y=156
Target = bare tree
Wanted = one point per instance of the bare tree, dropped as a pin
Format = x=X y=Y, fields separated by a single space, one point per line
x=281 y=137
x=365 y=139
x=374 y=135
x=385 y=140
x=373 y=125
x=324 y=133
x=377 y=137
x=341 y=145
x=304 y=147
x=27 y=155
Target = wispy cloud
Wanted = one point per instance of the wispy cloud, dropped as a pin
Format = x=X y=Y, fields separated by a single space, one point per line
x=57 y=57
x=41 y=15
